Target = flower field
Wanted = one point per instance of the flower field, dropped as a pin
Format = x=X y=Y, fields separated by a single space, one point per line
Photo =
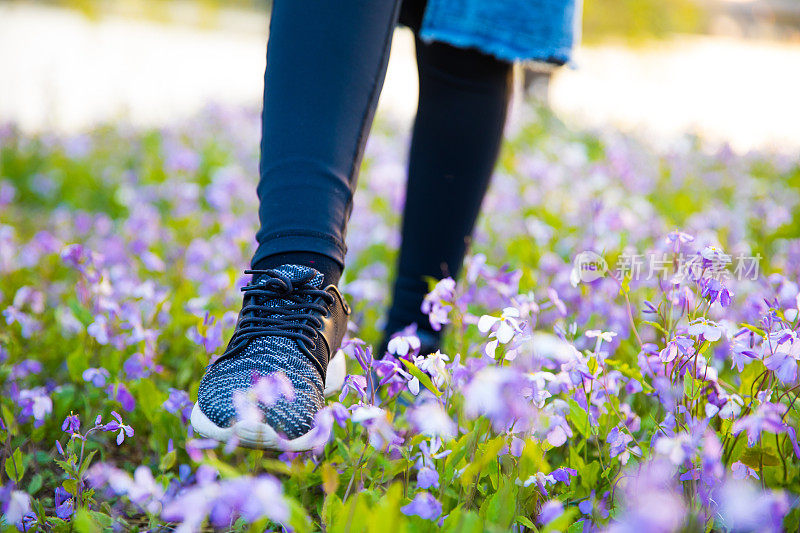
x=621 y=350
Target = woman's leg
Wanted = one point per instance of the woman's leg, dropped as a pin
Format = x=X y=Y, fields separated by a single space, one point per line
x=325 y=66
x=463 y=97
x=326 y=63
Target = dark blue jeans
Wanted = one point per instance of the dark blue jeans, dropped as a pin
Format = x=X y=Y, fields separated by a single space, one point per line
x=326 y=63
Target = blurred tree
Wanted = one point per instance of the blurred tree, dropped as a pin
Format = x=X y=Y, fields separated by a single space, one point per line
x=640 y=20
x=630 y=20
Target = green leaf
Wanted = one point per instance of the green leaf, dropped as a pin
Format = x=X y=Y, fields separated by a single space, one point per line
x=71 y=486
x=460 y=449
x=497 y=510
x=703 y=347
x=35 y=484
x=562 y=522
x=484 y=456
x=80 y=312
x=525 y=521
x=386 y=514
x=149 y=399
x=87 y=462
x=168 y=461
x=298 y=519
x=656 y=325
x=755 y=456
x=9 y=420
x=754 y=329
x=86 y=521
x=83 y=523
x=461 y=521
x=15 y=469
x=625 y=285
x=423 y=378
x=590 y=474
x=579 y=418
x=330 y=478
x=77 y=362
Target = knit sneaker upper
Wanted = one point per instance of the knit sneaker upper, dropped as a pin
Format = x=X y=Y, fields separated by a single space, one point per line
x=279 y=330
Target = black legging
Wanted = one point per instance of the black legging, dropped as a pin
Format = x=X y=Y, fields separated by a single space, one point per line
x=326 y=63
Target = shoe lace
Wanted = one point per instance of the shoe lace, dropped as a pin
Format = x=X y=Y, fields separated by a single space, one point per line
x=295 y=318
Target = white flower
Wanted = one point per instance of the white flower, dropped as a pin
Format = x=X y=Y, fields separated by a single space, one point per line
x=367 y=412
x=402 y=344
x=434 y=364
x=607 y=336
x=673 y=447
x=711 y=331
x=507 y=326
x=431 y=419
x=246 y=406
x=732 y=408
x=712 y=253
x=19 y=504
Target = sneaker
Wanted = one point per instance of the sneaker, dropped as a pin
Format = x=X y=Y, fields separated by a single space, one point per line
x=288 y=323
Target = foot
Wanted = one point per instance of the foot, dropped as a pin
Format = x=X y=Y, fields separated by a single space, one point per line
x=288 y=323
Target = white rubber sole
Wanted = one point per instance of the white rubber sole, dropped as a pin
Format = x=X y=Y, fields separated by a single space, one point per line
x=261 y=435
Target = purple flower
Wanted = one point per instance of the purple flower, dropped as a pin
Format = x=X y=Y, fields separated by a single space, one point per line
x=741 y=355
x=783 y=359
x=35 y=403
x=99 y=329
x=96 y=376
x=516 y=447
x=768 y=417
x=251 y=498
x=439 y=302
x=141 y=489
x=63 y=503
x=676 y=238
x=500 y=394
x=24 y=369
x=709 y=330
x=427 y=478
x=423 y=505
x=355 y=383
x=208 y=334
x=30 y=298
x=71 y=424
x=179 y=403
x=742 y=471
x=563 y=474
x=117 y=424
x=744 y=507
x=120 y=393
x=380 y=430
x=28 y=325
x=271 y=388
x=140 y=366
x=551 y=510
x=618 y=444
x=194 y=448
x=586 y=507
x=683 y=346
x=714 y=291
x=651 y=500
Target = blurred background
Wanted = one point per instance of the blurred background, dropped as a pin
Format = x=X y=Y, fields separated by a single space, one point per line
x=728 y=70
